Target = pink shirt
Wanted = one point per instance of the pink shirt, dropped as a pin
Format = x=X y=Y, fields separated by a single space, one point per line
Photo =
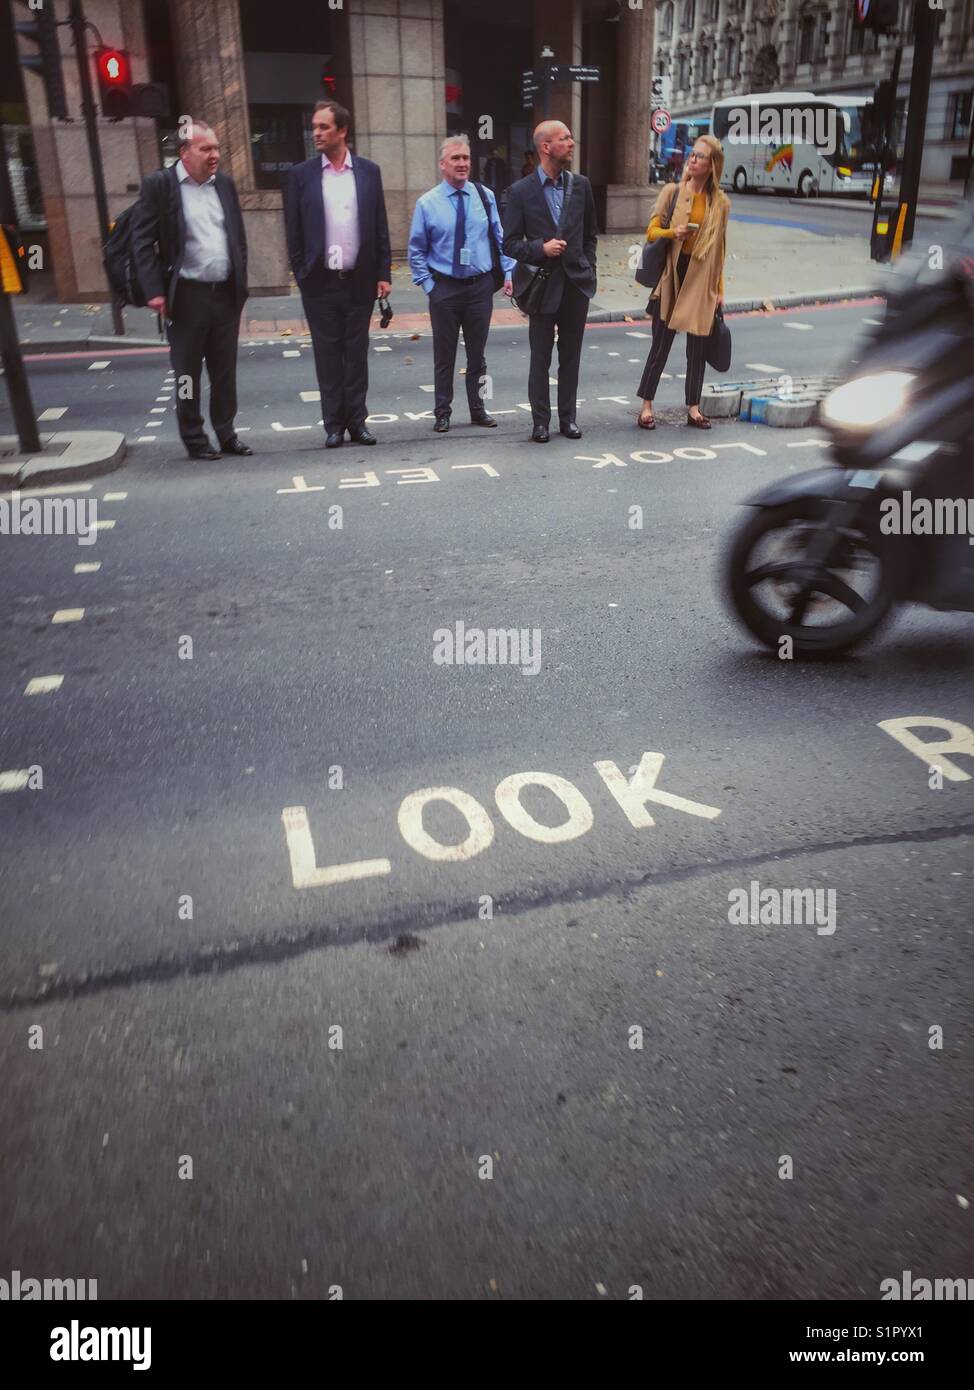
x=342 y=237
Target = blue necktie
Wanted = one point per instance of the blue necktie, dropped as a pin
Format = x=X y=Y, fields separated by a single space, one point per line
x=557 y=196
x=460 y=235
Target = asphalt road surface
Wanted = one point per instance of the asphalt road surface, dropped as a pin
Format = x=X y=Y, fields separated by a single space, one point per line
x=358 y=969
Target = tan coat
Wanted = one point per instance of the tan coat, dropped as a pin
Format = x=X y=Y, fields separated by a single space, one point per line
x=693 y=311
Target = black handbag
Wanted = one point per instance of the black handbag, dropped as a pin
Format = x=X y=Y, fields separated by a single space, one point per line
x=655 y=253
x=718 y=349
x=496 y=269
x=530 y=299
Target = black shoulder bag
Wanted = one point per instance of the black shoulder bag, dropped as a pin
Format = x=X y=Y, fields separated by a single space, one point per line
x=530 y=299
x=496 y=269
x=655 y=253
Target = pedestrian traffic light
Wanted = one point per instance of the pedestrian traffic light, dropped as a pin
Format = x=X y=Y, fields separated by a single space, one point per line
x=46 y=62
x=878 y=16
x=114 y=82
x=878 y=113
x=13 y=260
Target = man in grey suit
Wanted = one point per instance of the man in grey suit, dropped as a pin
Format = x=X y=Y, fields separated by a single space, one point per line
x=533 y=239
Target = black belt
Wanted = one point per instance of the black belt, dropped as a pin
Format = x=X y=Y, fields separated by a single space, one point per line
x=339 y=274
x=460 y=279
x=206 y=284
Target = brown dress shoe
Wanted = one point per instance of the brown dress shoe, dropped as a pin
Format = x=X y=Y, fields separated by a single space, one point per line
x=702 y=424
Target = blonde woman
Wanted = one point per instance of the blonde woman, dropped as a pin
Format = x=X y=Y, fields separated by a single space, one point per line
x=692 y=285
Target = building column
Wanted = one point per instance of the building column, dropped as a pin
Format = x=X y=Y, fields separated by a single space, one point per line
x=209 y=54
x=399 y=98
x=630 y=197
x=558 y=23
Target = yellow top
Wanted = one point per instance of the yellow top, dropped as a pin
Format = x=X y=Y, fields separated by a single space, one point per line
x=655 y=232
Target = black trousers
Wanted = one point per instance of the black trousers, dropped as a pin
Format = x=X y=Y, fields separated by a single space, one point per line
x=569 y=318
x=340 y=338
x=660 y=351
x=456 y=304
x=204 y=327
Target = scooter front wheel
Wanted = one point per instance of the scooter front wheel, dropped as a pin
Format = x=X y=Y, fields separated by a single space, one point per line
x=778 y=593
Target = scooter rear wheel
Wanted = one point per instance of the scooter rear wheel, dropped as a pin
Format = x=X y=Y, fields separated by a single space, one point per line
x=777 y=593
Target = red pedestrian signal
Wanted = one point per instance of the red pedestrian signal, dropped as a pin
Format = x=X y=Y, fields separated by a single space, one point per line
x=114 y=82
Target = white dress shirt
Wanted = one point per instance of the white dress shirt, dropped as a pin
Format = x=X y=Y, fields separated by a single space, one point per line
x=207 y=252
x=343 y=239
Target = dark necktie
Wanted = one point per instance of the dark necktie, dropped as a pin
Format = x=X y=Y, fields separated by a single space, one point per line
x=460 y=235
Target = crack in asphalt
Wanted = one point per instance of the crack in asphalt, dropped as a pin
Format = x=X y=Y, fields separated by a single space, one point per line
x=272 y=951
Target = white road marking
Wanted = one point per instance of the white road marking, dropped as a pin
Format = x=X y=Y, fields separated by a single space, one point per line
x=427 y=388
x=98 y=366
x=41 y=685
x=288 y=429
x=152 y=425
x=632 y=333
x=166 y=399
x=382 y=349
x=620 y=400
x=479 y=837
x=807 y=443
x=147 y=439
x=291 y=352
x=802 y=327
x=157 y=410
x=633 y=359
x=876 y=323
x=763 y=367
x=491 y=472
x=615 y=354
x=301 y=486
x=304 y=868
x=14 y=781
x=422 y=475
x=932 y=754
x=310 y=395
x=103 y=525
x=68 y=615
x=368 y=479
x=53 y=412
x=633 y=795
x=115 y=497
x=55 y=488
x=580 y=815
x=88 y=567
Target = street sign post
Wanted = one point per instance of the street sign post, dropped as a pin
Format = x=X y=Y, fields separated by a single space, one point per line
x=537 y=80
x=660 y=120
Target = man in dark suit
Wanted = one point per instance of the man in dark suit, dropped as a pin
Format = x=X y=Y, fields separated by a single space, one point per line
x=531 y=236
x=338 y=246
x=190 y=253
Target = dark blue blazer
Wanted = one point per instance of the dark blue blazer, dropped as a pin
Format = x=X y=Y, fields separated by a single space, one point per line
x=304 y=215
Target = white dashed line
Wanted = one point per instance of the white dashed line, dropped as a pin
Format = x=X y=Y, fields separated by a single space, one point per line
x=53 y=412
x=427 y=388
x=802 y=327
x=103 y=526
x=157 y=410
x=42 y=685
x=68 y=615
x=88 y=567
x=310 y=395
x=631 y=333
x=291 y=352
x=147 y=439
x=14 y=781
x=115 y=497
x=152 y=425
x=876 y=323
x=382 y=349
x=98 y=366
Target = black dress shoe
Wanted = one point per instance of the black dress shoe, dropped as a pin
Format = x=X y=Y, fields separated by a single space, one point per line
x=335 y=439
x=235 y=446
x=570 y=430
x=485 y=420
x=442 y=424
x=362 y=436
x=540 y=434
x=204 y=453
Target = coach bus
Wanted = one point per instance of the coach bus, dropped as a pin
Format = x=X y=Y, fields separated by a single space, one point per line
x=795 y=142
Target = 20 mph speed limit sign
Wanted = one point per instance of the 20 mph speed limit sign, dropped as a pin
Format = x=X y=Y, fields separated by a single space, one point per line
x=660 y=120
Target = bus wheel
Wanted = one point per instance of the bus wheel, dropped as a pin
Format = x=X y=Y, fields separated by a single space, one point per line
x=740 y=181
x=807 y=187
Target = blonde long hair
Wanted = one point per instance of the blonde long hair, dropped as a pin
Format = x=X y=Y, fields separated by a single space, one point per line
x=718 y=203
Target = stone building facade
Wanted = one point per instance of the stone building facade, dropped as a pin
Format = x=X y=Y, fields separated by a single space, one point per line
x=716 y=48
x=410 y=72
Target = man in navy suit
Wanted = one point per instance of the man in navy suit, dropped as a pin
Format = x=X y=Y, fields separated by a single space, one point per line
x=533 y=238
x=338 y=246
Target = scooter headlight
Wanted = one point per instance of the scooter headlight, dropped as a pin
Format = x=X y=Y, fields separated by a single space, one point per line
x=868 y=401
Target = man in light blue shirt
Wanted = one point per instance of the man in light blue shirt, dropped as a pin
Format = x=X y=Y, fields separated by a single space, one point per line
x=455 y=253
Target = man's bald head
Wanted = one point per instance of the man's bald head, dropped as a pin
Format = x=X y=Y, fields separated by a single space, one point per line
x=554 y=143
